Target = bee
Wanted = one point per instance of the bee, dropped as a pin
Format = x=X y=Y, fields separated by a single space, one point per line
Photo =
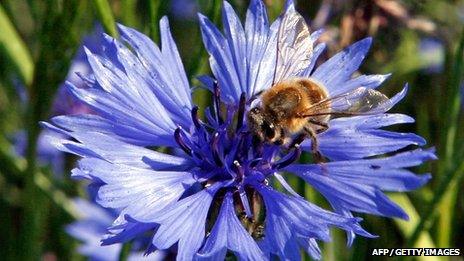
x=295 y=108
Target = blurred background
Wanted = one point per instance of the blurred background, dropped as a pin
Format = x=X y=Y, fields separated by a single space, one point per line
x=419 y=41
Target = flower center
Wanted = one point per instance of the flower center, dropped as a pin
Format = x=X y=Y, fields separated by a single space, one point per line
x=224 y=149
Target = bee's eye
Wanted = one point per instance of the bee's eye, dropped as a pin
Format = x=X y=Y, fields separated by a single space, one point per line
x=269 y=130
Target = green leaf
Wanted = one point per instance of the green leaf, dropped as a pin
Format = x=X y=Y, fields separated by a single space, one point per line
x=106 y=17
x=13 y=169
x=154 y=6
x=129 y=12
x=448 y=163
x=448 y=174
x=125 y=251
x=407 y=226
x=447 y=184
x=15 y=49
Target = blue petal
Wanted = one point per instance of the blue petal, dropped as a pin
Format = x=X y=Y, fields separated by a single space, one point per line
x=130 y=84
x=221 y=60
x=179 y=81
x=311 y=247
x=90 y=229
x=123 y=231
x=235 y=36
x=229 y=233
x=285 y=184
x=355 y=185
x=91 y=246
x=307 y=219
x=338 y=69
x=207 y=82
x=262 y=67
x=359 y=137
x=244 y=60
x=95 y=123
x=140 y=193
x=399 y=96
x=353 y=196
x=351 y=235
x=289 y=218
x=185 y=222
x=257 y=31
x=101 y=146
x=367 y=81
x=289 y=4
x=120 y=114
x=383 y=173
x=166 y=75
x=139 y=86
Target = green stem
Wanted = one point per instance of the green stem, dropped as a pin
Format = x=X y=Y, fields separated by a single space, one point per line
x=15 y=49
x=199 y=65
x=13 y=170
x=154 y=6
x=427 y=217
x=106 y=17
x=56 y=195
x=454 y=105
x=275 y=8
x=125 y=251
x=445 y=193
x=129 y=11
x=406 y=227
x=56 y=40
x=9 y=168
x=32 y=199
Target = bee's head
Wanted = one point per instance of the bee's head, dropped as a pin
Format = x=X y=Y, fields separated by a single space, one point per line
x=262 y=126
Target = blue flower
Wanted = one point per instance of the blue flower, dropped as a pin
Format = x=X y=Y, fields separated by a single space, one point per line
x=184 y=9
x=212 y=191
x=90 y=229
x=431 y=53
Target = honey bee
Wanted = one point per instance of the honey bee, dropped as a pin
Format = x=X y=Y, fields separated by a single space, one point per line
x=295 y=107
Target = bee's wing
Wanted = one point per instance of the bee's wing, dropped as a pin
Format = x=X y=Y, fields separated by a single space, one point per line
x=294 y=47
x=360 y=101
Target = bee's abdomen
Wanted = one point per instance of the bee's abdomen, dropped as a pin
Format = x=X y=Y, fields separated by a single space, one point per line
x=314 y=91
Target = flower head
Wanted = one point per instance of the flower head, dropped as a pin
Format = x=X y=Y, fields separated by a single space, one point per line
x=213 y=192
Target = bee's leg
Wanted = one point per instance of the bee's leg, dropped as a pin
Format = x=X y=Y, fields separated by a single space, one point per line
x=318 y=158
x=280 y=140
x=324 y=126
x=298 y=140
